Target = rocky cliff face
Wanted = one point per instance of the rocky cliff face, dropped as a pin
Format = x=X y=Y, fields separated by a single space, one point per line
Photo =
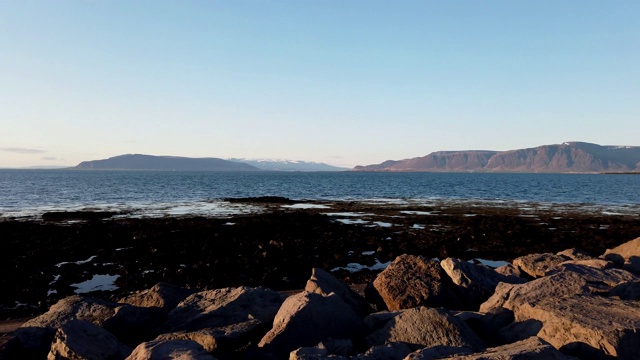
x=578 y=157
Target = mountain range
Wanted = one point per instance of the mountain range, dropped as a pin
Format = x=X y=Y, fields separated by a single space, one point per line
x=175 y=163
x=568 y=157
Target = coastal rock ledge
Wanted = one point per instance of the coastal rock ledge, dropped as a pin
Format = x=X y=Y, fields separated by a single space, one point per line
x=567 y=307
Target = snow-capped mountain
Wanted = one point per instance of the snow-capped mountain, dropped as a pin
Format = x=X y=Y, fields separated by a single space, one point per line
x=288 y=165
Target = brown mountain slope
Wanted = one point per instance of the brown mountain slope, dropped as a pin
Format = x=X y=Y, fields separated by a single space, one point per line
x=577 y=157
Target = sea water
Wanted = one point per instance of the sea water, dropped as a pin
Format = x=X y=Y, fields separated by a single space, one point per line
x=28 y=193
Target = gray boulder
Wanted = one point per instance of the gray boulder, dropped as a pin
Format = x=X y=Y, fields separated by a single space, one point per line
x=79 y=339
x=426 y=327
x=174 y=349
x=477 y=281
x=222 y=307
x=305 y=319
x=411 y=281
x=537 y=265
x=323 y=283
x=530 y=349
x=37 y=334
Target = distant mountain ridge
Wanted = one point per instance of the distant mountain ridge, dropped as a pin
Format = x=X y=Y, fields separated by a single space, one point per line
x=168 y=163
x=289 y=165
x=568 y=157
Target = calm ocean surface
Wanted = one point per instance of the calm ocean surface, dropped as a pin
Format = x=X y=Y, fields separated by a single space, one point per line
x=31 y=192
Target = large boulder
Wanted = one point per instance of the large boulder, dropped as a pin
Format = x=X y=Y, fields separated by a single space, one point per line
x=130 y=324
x=478 y=282
x=587 y=326
x=162 y=296
x=411 y=281
x=323 y=283
x=222 y=307
x=537 y=265
x=568 y=279
x=426 y=327
x=626 y=255
x=532 y=348
x=37 y=334
x=174 y=349
x=305 y=319
x=626 y=291
x=79 y=339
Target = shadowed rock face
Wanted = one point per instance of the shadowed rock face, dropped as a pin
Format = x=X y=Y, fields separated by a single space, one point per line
x=567 y=157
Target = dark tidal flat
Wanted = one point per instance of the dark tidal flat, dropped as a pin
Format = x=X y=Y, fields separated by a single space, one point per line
x=41 y=259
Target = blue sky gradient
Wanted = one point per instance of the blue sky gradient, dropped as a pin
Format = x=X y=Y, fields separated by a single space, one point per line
x=341 y=82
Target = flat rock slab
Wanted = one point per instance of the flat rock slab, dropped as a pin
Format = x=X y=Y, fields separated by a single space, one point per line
x=162 y=296
x=570 y=279
x=537 y=265
x=587 y=326
x=223 y=307
x=411 y=281
x=532 y=348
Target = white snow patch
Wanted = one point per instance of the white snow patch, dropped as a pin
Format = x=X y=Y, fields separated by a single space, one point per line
x=411 y=212
x=491 y=263
x=307 y=206
x=417 y=226
x=355 y=267
x=352 y=221
x=77 y=262
x=97 y=283
x=367 y=253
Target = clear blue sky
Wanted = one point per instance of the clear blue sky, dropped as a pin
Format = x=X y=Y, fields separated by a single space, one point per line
x=345 y=82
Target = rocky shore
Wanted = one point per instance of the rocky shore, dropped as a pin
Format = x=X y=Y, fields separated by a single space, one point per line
x=279 y=283
x=543 y=306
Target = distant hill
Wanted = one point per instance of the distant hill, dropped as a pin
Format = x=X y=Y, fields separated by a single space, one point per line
x=289 y=165
x=568 y=157
x=168 y=163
